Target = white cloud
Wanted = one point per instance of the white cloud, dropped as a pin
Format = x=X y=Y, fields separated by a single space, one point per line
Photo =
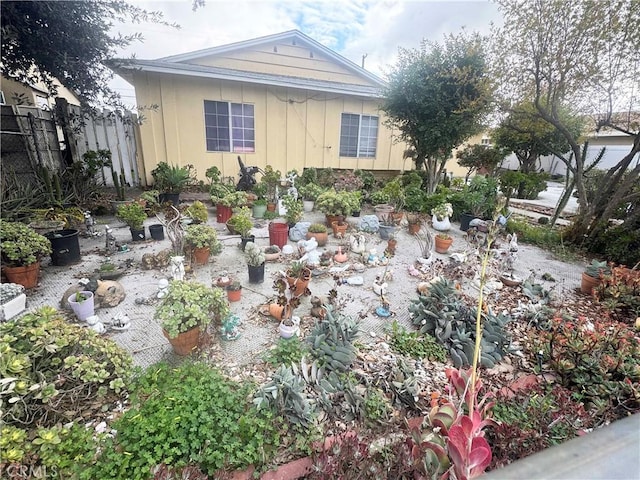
x=352 y=28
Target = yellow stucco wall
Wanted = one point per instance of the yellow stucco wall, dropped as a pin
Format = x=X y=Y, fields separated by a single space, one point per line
x=293 y=128
x=285 y=59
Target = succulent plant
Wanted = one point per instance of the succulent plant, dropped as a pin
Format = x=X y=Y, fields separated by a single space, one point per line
x=595 y=268
x=285 y=394
x=255 y=256
x=443 y=314
x=332 y=341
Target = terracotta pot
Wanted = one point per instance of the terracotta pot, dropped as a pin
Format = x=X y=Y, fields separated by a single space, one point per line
x=185 y=342
x=391 y=246
x=339 y=230
x=278 y=312
x=321 y=237
x=271 y=207
x=588 y=283
x=442 y=244
x=234 y=295
x=397 y=217
x=382 y=210
x=201 y=255
x=26 y=276
x=414 y=228
x=329 y=219
x=340 y=257
x=300 y=284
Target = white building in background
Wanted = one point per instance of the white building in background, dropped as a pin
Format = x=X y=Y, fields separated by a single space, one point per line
x=617 y=144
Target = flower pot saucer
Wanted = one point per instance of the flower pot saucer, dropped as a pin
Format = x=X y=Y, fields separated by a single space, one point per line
x=510 y=280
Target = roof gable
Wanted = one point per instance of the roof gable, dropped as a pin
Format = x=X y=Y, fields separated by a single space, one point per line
x=291 y=54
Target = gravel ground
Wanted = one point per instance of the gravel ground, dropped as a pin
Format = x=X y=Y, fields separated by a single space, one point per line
x=144 y=339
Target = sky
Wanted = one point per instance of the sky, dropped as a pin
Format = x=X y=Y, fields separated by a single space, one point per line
x=352 y=28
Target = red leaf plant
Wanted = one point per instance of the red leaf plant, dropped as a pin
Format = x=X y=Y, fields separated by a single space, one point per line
x=456 y=447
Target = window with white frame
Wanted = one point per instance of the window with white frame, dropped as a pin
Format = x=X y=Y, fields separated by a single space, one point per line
x=230 y=127
x=358 y=135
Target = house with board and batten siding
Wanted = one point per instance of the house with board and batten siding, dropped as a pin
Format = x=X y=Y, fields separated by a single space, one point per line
x=283 y=100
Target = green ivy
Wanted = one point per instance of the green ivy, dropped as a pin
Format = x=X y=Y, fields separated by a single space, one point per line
x=415 y=344
x=186 y=415
x=286 y=352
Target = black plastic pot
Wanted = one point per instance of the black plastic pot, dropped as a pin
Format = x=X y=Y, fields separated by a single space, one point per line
x=137 y=235
x=245 y=240
x=256 y=274
x=157 y=231
x=174 y=198
x=65 y=247
x=465 y=218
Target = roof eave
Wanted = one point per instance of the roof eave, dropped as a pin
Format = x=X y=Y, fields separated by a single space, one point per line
x=240 y=78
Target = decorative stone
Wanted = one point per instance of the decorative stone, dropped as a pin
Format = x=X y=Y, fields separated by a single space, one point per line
x=299 y=231
x=369 y=223
x=109 y=293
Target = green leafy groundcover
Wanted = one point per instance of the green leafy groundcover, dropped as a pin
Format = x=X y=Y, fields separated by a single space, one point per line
x=186 y=415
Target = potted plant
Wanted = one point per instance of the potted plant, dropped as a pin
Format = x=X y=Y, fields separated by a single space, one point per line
x=13 y=300
x=414 y=223
x=240 y=223
x=259 y=207
x=186 y=311
x=396 y=196
x=82 y=304
x=425 y=245
x=592 y=275
x=440 y=216
x=298 y=276
x=255 y=262
x=294 y=209
x=22 y=249
x=234 y=291
x=170 y=180
x=271 y=179
x=443 y=242
x=387 y=226
x=319 y=232
x=310 y=193
x=336 y=204
x=473 y=208
x=197 y=212
x=272 y=253
x=133 y=215
x=203 y=239
x=226 y=204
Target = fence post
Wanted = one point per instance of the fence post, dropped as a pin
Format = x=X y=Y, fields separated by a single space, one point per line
x=34 y=136
x=69 y=137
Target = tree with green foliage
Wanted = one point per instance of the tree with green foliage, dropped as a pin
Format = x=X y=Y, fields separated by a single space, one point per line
x=583 y=54
x=45 y=41
x=529 y=137
x=480 y=158
x=437 y=97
